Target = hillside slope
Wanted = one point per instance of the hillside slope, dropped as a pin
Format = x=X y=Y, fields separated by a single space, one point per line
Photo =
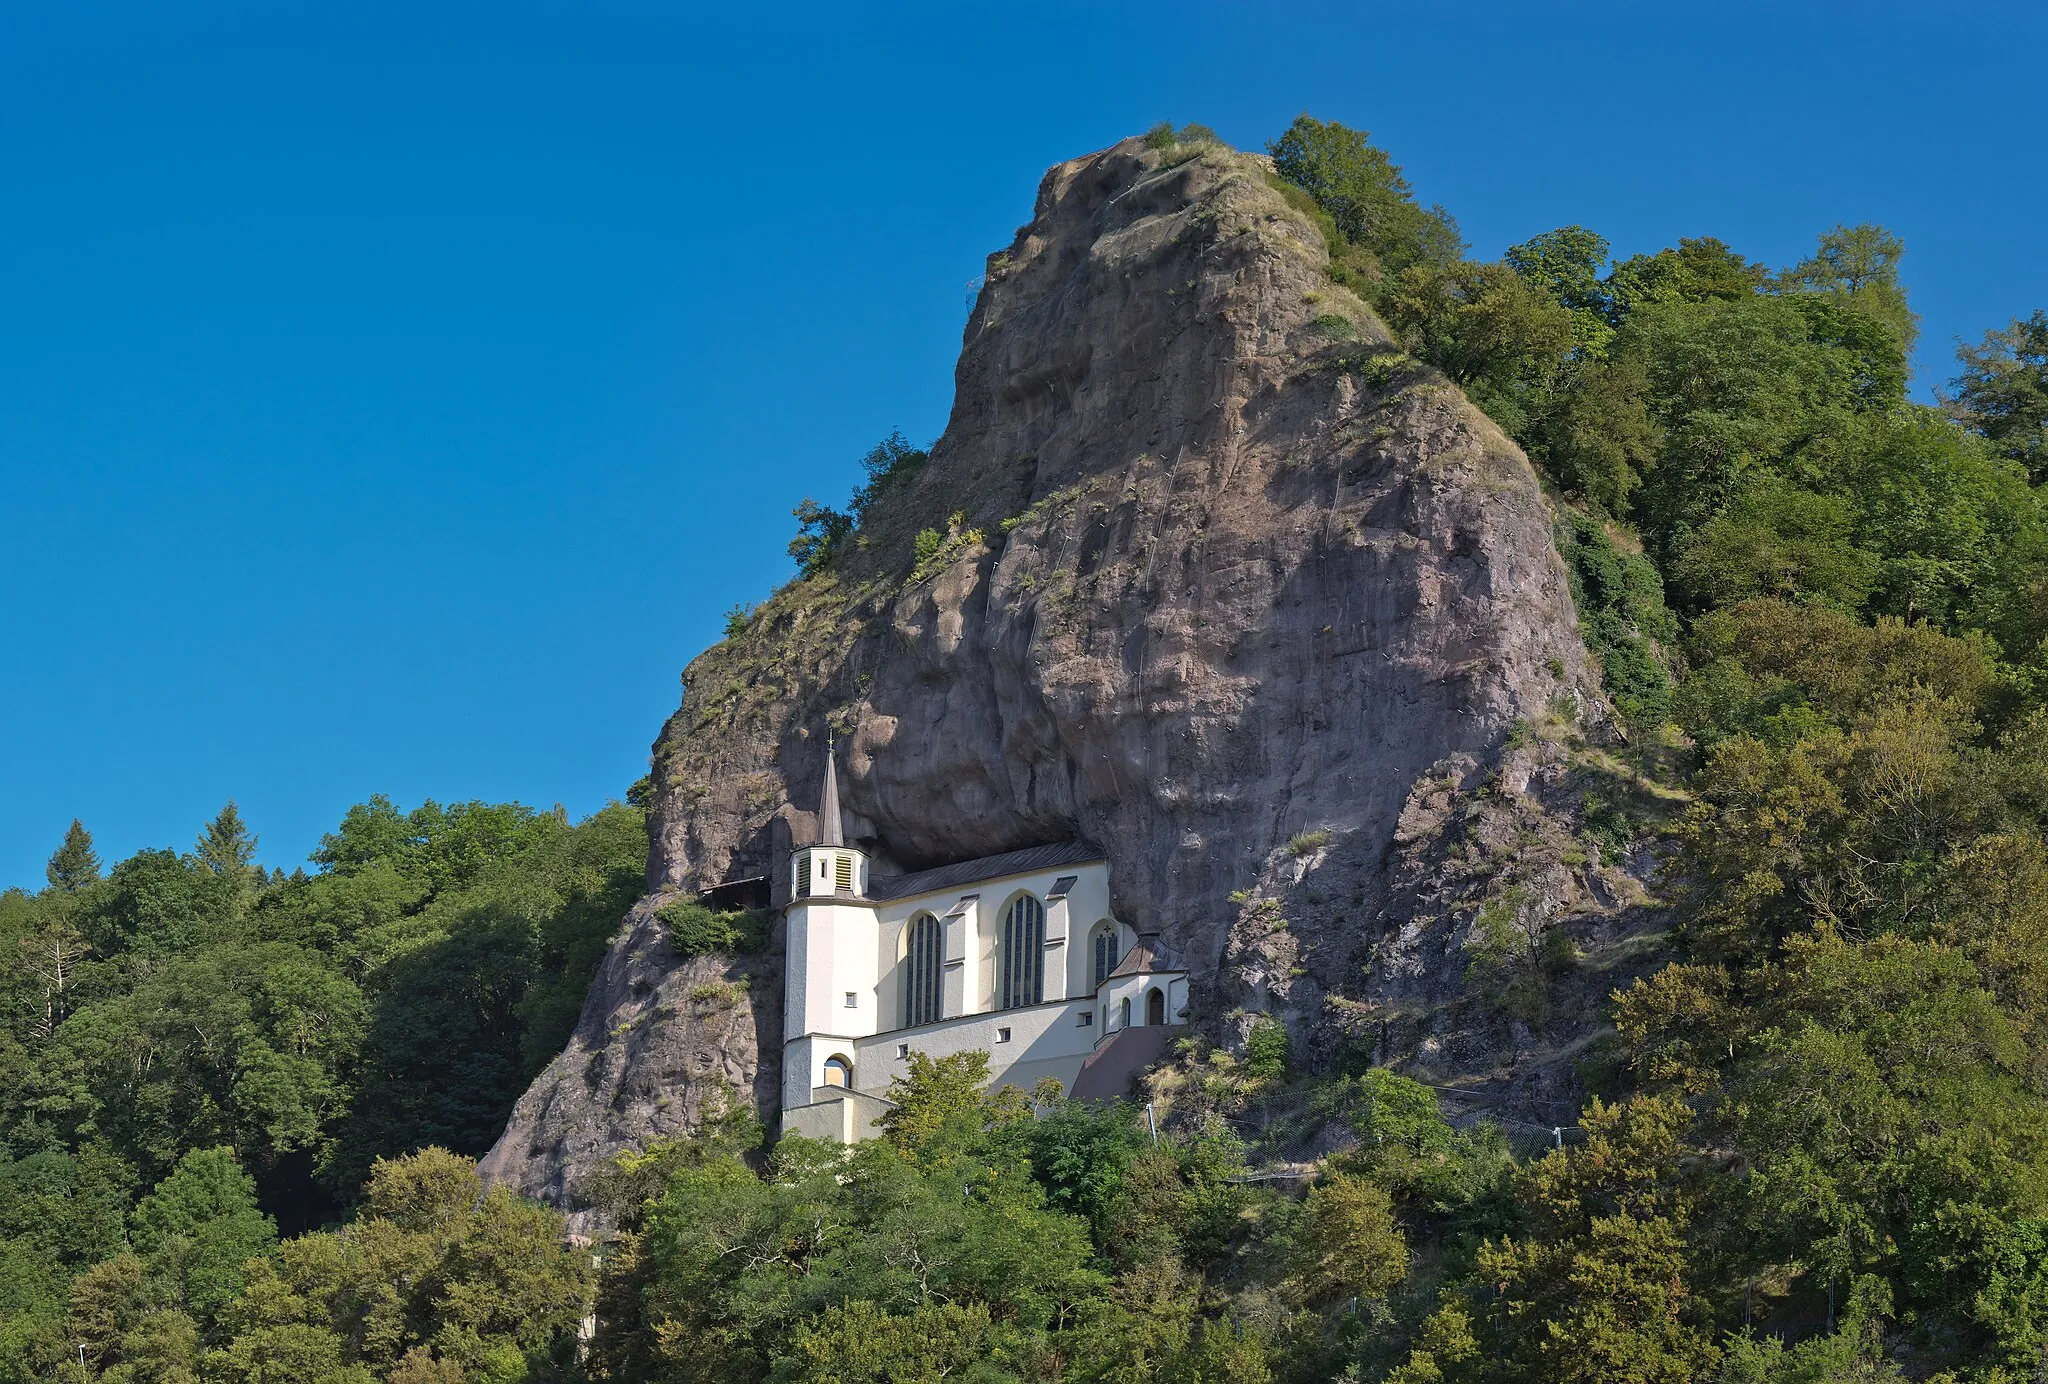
x=1224 y=584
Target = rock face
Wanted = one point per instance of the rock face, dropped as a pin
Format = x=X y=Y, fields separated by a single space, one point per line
x=1212 y=576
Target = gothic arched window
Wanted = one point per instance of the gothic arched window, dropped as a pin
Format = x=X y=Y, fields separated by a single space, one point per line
x=923 y=960
x=1105 y=957
x=1020 y=958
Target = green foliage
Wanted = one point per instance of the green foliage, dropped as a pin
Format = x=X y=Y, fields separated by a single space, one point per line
x=1778 y=540
x=439 y=1270
x=1164 y=138
x=1368 y=201
x=941 y=1103
x=694 y=928
x=1620 y=599
x=1082 y=1154
x=75 y=864
x=889 y=463
x=932 y=550
x=227 y=847
x=821 y=531
x=2001 y=393
x=200 y=1226
x=1859 y=264
x=1564 y=266
x=405 y=993
x=1266 y=1048
x=1345 y=1243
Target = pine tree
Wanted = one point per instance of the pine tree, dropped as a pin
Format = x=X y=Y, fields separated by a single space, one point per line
x=75 y=864
x=227 y=846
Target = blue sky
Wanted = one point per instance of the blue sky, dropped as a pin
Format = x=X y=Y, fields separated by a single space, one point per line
x=394 y=397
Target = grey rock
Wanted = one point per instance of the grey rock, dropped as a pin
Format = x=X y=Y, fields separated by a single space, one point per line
x=1219 y=567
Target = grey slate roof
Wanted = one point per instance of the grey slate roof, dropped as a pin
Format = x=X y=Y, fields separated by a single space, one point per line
x=961 y=872
x=1148 y=956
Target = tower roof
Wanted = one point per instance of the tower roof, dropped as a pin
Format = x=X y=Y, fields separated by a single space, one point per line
x=830 y=831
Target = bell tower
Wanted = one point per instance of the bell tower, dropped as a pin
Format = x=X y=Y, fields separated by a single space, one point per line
x=830 y=987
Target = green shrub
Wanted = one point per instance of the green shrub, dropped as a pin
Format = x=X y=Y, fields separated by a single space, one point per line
x=696 y=929
x=927 y=546
x=888 y=463
x=737 y=619
x=1164 y=137
x=1266 y=1048
x=819 y=532
x=1620 y=599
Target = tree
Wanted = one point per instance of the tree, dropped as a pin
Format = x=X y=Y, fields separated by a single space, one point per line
x=888 y=463
x=200 y=1225
x=75 y=864
x=226 y=847
x=1346 y=1244
x=1364 y=194
x=1489 y=329
x=1702 y=270
x=937 y=1097
x=819 y=532
x=1778 y=540
x=1600 y=1288
x=439 y=1272
x=51 y=956
x=1565 y=265
x=2002 y=392
x=1859 y=263
x=858 y=1343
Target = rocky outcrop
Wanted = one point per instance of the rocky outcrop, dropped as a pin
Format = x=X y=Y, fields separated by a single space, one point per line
x=1212 y=576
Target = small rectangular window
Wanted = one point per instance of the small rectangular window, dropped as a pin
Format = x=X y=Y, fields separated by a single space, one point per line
x=1087 y=1020
x=852 y=999
x=1002 y=1035
x=903 y=1049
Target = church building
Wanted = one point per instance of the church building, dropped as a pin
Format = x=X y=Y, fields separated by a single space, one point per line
x=1014 y=954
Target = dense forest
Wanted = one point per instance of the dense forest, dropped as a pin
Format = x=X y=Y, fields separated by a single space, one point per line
x=239 y=1109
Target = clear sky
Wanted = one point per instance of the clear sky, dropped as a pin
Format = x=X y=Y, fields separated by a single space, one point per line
x=393 y=397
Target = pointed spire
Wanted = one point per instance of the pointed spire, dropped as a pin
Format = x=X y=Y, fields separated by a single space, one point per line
x=830 y=831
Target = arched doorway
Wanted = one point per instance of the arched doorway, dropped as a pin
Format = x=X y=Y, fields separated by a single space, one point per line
x=838 y=1072
x=1155 y=1006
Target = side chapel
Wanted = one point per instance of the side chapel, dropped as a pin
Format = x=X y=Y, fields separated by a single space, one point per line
x=1014 y=954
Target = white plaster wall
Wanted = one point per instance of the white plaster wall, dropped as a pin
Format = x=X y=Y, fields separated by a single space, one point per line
x=822 y=948
x=1087 y=904
x=1045 y=1039
x=798 y=1063
x=1134 y=988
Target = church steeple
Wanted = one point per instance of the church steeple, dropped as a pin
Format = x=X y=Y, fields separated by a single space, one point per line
x=830 y=830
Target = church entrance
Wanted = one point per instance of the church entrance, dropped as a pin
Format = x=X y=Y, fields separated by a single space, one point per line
x=1155 y=1007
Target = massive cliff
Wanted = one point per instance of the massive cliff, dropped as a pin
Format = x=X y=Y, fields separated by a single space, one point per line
x=1213 y=577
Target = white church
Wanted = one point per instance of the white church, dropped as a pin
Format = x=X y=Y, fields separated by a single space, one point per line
x=1014 y=954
